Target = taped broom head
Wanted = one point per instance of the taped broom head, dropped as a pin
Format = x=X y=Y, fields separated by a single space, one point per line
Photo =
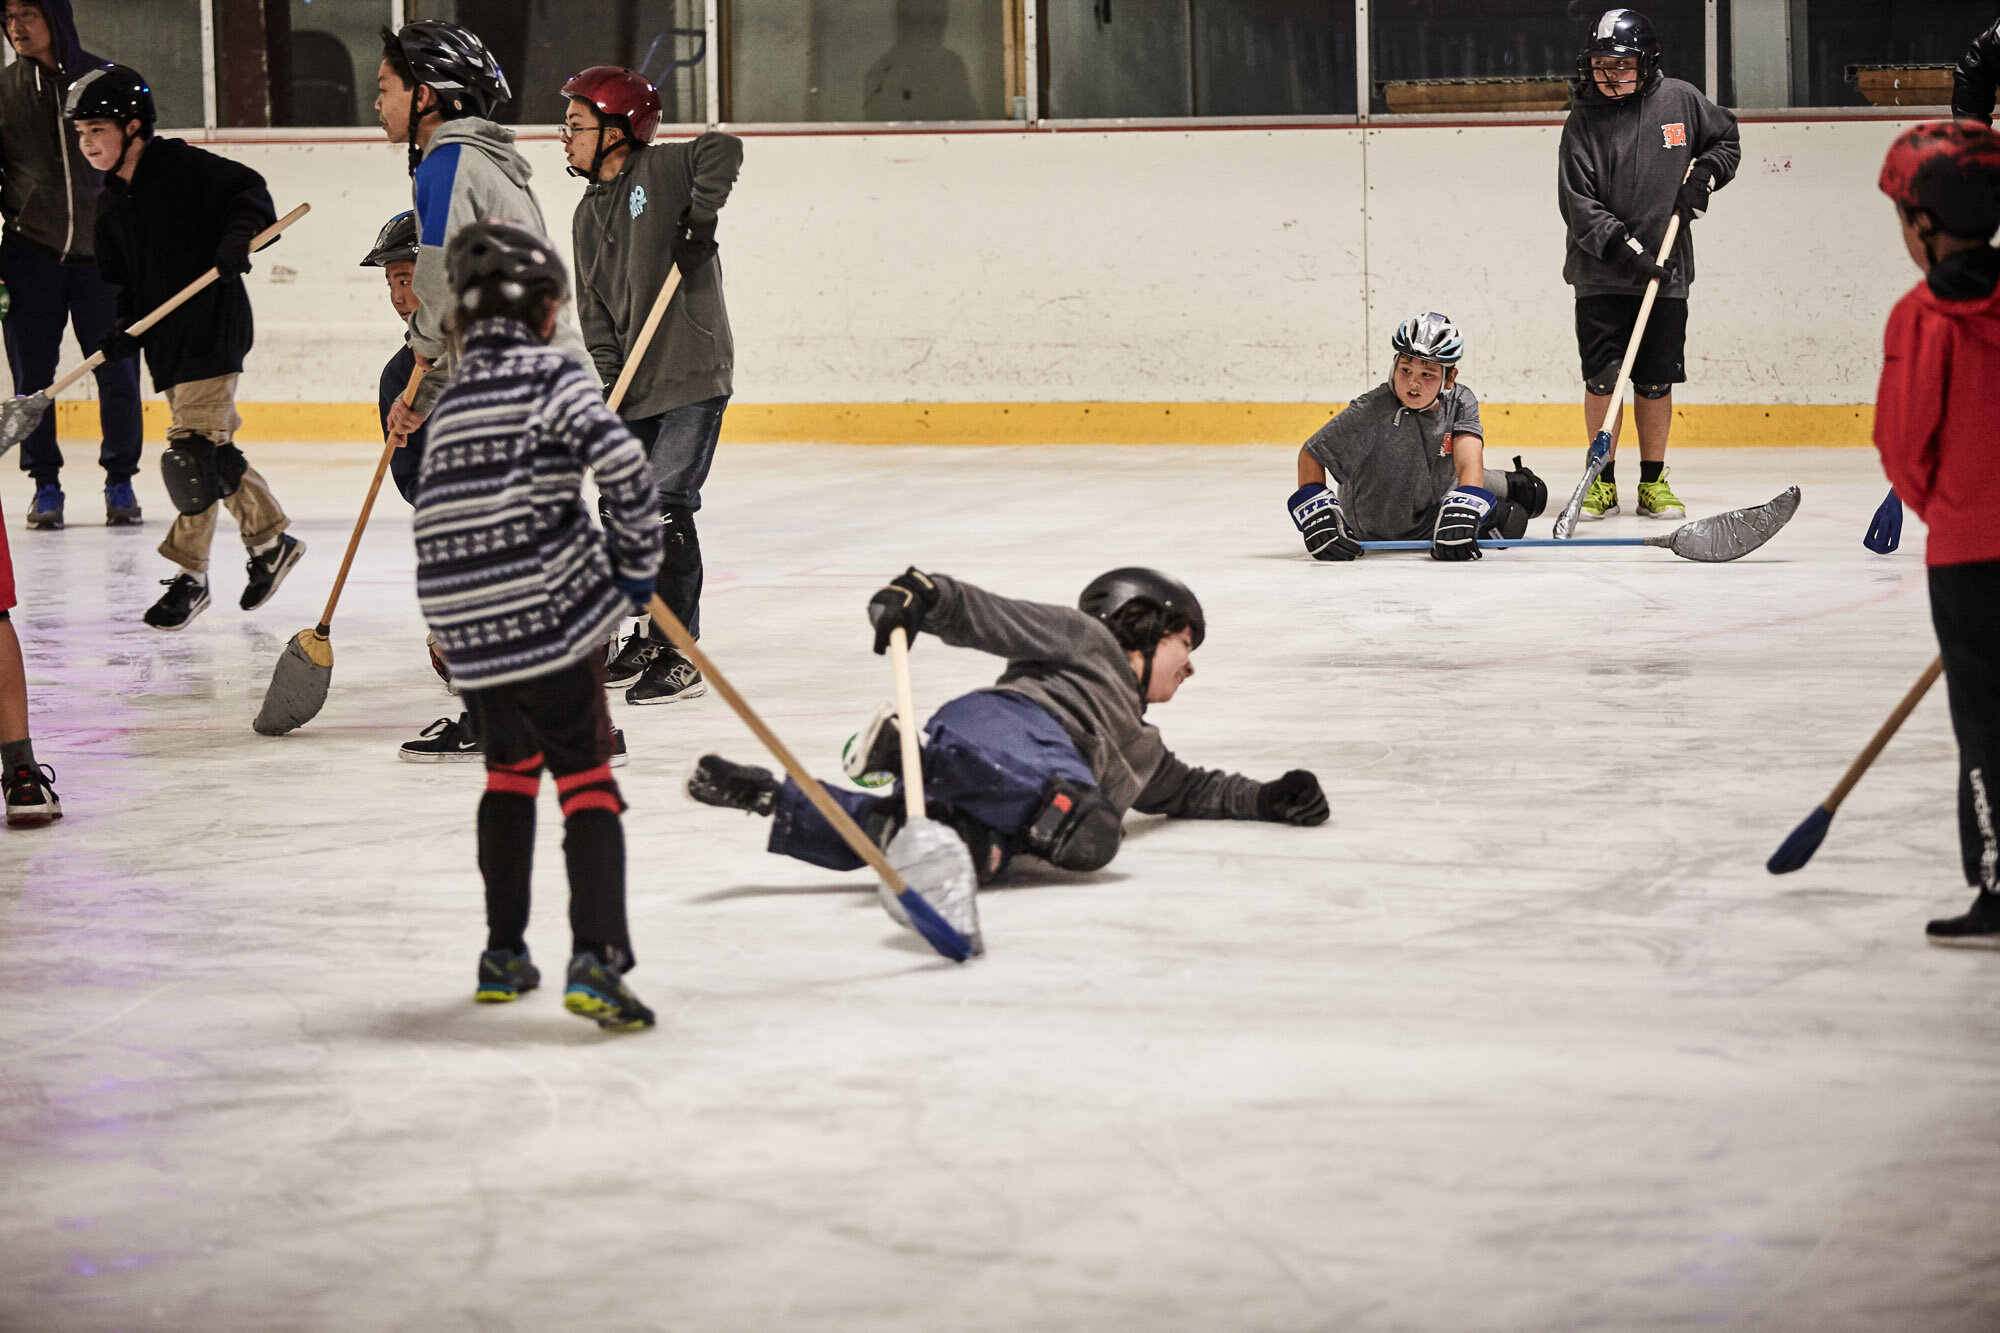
x=298 y=685
x=1797 y=849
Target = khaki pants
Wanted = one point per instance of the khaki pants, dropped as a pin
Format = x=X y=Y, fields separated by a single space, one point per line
x=208 y=407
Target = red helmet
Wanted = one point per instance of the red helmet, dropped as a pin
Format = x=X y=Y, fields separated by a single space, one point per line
x=621 y=93
x=1951 y=170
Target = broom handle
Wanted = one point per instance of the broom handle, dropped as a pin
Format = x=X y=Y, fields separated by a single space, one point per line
x=389 y=447
x=178 y=299
x=645 y=340
x=906 y=712
x=1882 y=735
x=843 y=824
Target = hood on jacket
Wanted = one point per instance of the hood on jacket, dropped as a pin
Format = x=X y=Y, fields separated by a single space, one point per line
x=1967 y=283
x=71 y=59
x=495 y=141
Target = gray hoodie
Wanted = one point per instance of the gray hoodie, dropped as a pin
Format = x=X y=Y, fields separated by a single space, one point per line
x=1620 y=168
x=1393 y=464
x=470 y=172
x=1068 y=664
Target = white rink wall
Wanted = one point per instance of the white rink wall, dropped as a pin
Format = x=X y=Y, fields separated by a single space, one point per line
x=1175 y=265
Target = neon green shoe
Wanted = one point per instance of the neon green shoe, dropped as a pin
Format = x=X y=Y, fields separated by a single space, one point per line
x=1599 y=500
x=1657 y=500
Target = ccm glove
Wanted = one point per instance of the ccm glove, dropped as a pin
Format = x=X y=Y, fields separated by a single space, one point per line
x=694 y=246
x=1456 y=536
x=232 y=257
x=118 y=345
x=903 y=601
x=1292 y=799
x=1633 y=257
x=1316 y=512
x=1692 y=201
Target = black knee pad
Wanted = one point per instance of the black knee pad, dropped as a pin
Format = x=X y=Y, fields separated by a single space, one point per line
x=1074 y=827
x=681 y=547
x=1653 y=390
x=1507 y=520
x=1527 y=490
x=191 y=467
x=1602 y=385
x=230 y=465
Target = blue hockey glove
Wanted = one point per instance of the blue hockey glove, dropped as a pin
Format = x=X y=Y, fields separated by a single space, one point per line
x=1456 y=536
x=639 y=592
x=1316 y=513
x=1885 y=533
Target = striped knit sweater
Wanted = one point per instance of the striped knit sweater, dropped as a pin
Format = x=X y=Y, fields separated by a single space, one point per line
x=512 y=574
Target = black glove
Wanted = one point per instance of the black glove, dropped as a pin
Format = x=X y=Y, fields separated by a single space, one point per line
x=1316 y=512
x=1456 y=535
x=1692 y=201
x=694 y=246
x=118 y=345
x=1292 y=799
x=904 y=600
x=232 y=257
x=1640 y=264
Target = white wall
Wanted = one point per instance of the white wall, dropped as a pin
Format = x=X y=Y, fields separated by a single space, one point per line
x=1168 y=265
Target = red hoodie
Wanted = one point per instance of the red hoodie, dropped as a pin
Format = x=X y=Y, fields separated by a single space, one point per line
x=1937 y=420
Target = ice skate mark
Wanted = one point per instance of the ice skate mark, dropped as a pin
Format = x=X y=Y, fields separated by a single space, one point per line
x=105 y=1022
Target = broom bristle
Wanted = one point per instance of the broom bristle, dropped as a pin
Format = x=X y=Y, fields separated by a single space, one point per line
x=298 y=686
x=1798 y=849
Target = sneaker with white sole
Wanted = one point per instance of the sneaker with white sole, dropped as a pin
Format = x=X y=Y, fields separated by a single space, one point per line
x=667 y=679
x=185 y=598
x=1657 y=499
x=445 y=741
x=1601 y=499
x=268 y=570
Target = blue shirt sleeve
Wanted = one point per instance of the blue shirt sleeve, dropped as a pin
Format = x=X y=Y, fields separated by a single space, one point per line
x=435 y=177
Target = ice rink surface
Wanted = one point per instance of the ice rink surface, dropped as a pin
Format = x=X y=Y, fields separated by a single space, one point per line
x=1524 y=1038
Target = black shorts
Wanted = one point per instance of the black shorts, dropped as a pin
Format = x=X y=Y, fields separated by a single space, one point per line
x=1604 y=326
x=560 y=717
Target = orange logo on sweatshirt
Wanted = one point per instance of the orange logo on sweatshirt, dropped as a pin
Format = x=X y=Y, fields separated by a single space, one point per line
x=1676 y=135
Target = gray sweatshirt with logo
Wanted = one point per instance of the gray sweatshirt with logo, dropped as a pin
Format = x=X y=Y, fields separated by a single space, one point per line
x=624 y=233
x=1621 y=164
x=1069 y=665
x=1391 y=464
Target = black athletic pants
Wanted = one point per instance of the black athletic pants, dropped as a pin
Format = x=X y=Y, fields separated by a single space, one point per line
x=557 y=722
x=1963 y=598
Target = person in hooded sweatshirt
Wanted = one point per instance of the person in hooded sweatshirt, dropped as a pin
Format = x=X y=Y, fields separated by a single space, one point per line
x=1934 y=413
x=1638 y=148
x=48 y=195
x=435 y=88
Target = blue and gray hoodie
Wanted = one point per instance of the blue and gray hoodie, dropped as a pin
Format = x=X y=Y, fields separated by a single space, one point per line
x=48 y=193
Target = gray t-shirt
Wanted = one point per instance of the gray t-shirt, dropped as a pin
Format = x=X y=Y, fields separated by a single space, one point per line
x=1393 y=465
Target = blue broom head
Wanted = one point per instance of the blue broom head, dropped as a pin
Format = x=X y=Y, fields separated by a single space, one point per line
x=1798 y=849
x=1885 y=530
x=937 y=932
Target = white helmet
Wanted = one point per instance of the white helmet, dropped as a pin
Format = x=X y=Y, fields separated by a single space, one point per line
x=1430 y=337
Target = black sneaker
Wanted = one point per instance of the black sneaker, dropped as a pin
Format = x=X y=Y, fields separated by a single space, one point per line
x=619 y=758
x=1979 y=928
x=185 y=598
x=444 y=741
x=873 y=756
x=715 y=781
x=505 y=975
x=268 y=570
x=46 y=509
x=597 y=992
x=668 y=678
x=31 y=797
x=121 y=507
x=631 y=659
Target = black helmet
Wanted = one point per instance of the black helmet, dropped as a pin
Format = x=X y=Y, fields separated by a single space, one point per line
x=115 y=92
x=1621 y=32
x=397 y=240
x=453 y=63
x=496 y=247
x=1108 y=594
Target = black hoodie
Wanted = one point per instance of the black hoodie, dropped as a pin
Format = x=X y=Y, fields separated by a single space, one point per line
x=48 y=193
x=1620 y=169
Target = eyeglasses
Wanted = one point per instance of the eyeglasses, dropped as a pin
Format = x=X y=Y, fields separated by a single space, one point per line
x=16 y=17
x=568 y=132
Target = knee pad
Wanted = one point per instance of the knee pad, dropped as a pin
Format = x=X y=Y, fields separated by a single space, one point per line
x=192 y=468
x=1508 y=520
x=1074 y=827
x=1653 y=390
x=1602 y=385
x=1527 y=490
x=681 y=547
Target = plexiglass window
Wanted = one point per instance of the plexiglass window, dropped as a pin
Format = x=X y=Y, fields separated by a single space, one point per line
x=870 y=60
x=159 y=38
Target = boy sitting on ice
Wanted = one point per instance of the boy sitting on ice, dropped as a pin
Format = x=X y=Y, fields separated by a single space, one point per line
x=1410 y=460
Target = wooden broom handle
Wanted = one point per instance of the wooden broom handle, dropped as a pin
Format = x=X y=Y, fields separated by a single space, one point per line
x=389 y=447
x=906 y=725
x=645 y=340
x=1882 y=734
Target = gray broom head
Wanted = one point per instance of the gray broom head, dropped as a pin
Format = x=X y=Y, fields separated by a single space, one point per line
x=298 y=685
x=20 y=415
x=1733 y=535
x=934 y=863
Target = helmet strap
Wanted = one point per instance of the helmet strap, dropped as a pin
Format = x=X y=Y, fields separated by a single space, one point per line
x=1146 y=675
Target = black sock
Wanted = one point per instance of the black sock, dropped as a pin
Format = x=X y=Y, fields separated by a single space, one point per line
x=1610 y=473
x=1650 y=472
x=506 y=859
x=594 y=852
x=16 y=755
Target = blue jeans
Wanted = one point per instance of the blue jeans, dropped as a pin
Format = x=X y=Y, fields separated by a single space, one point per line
x=46 y=296
x=987 y=755
x=681 y=450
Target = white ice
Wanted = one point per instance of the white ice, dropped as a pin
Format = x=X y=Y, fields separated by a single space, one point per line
x=1524 y=1038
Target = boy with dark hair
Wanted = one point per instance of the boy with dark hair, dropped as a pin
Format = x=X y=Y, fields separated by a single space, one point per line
x=1052 y=756
x=395 y=253
x=522 y=590
x=48 y=193
x=1637 y=148
x=169 y=212
x=1409 y=457
x=649 y=208
x=1934 y=415
x=29 y=786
